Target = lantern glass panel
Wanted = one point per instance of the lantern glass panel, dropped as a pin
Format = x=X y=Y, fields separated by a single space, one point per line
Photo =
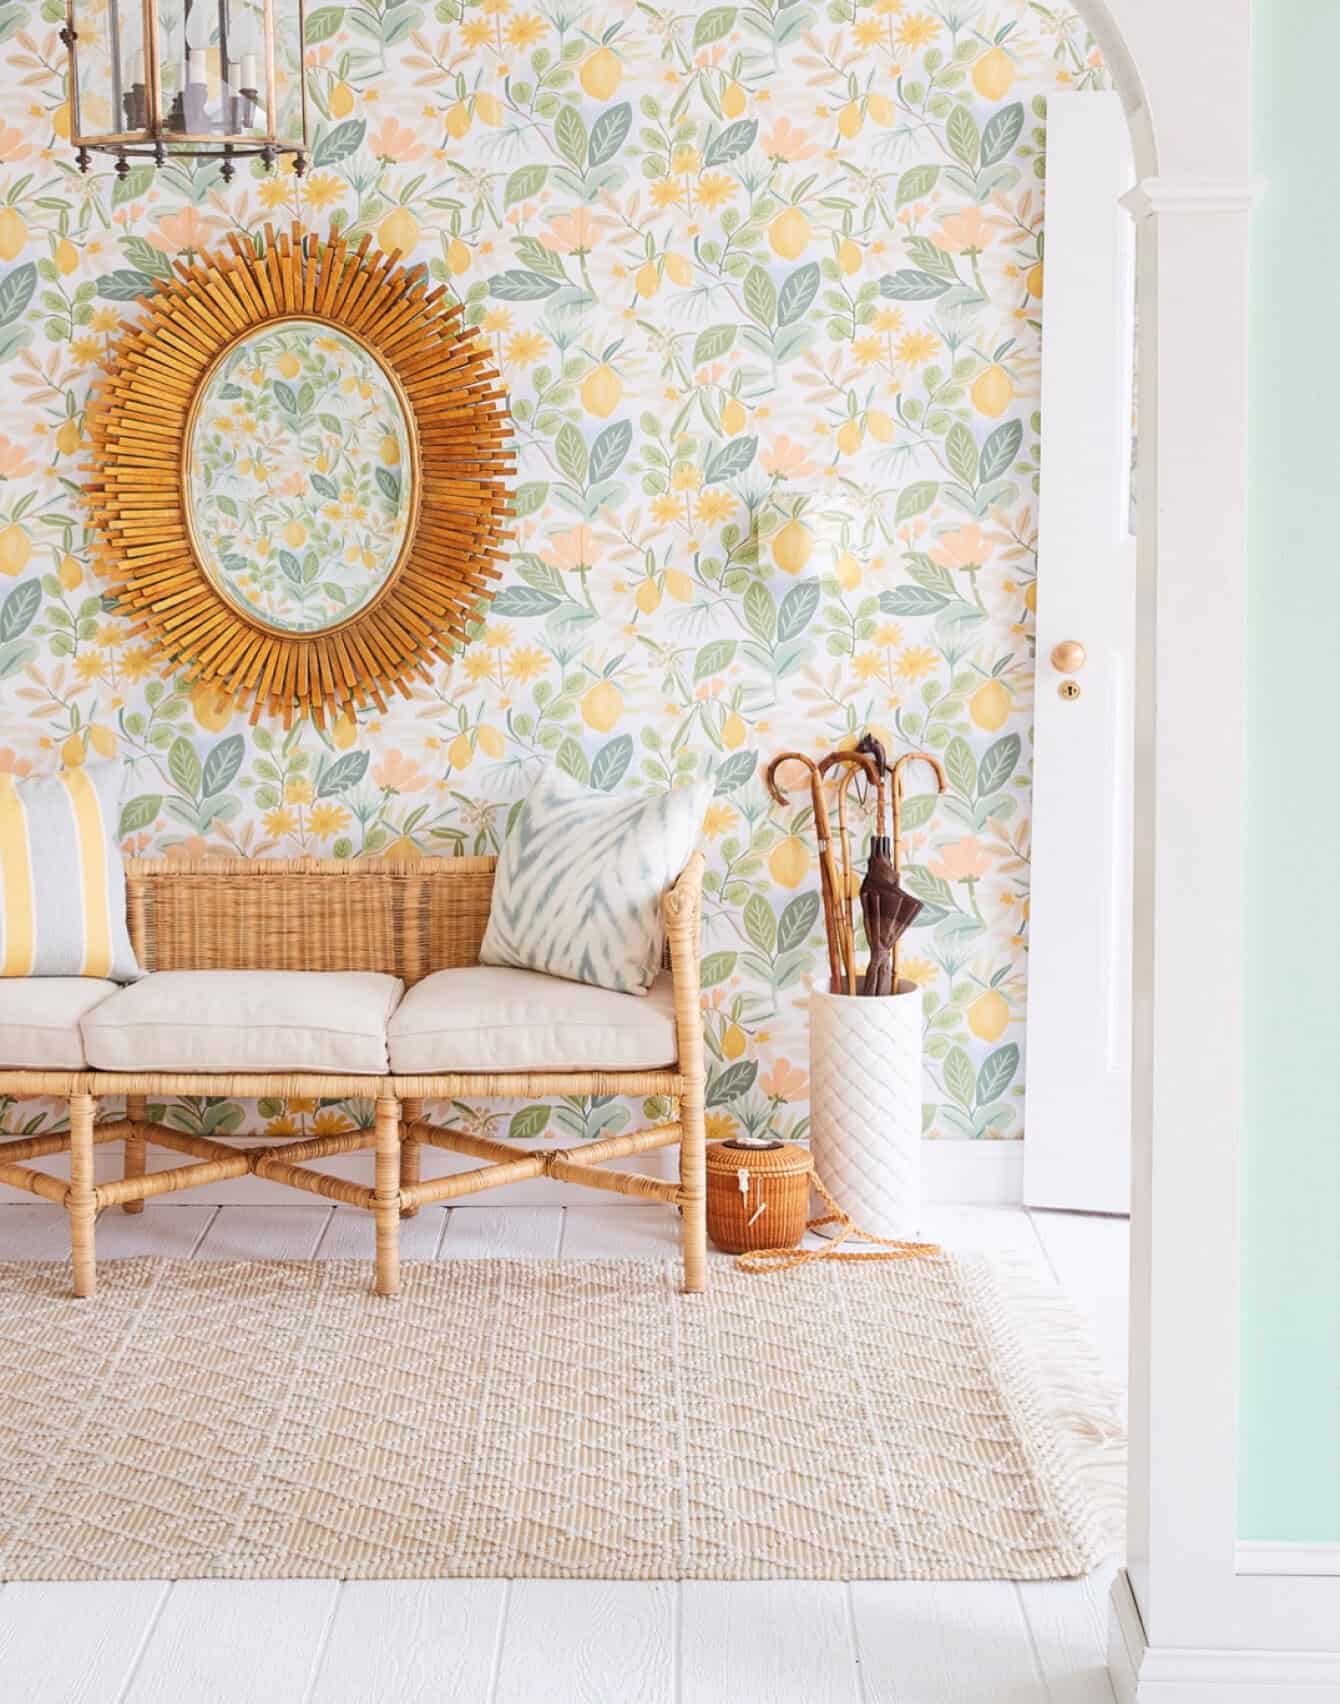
x=215 y=68
x=109 y=53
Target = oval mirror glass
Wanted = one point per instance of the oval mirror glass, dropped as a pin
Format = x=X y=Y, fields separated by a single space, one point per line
x=299 y=476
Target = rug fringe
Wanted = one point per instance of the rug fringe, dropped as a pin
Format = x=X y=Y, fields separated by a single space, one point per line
x=1080 y=1403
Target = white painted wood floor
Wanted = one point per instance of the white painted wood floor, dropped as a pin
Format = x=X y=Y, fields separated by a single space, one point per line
x=556 y=1641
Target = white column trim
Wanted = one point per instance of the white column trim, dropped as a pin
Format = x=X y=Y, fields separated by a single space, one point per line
x=1193 y=195
x=1255 y=1557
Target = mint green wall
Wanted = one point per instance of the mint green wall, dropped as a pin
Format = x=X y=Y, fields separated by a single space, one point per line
x=1290 y=1427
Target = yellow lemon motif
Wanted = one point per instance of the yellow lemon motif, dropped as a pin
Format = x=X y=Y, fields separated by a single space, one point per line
x=992 y=392
x=72 y=752
x=341 y=101
x=60 y=120
x=679 y=270
x=390 y=450
x=647 y=281
x=881 y=109
x=679 y=585
x=848 y=571
x=732 y=1041
x=733 y=417
x=295 y=534
x=733 y=100
x=849 y=437
x=602 y=390
x=344 y=730
x=791 y=547
x=103 y=740
x=67 y=257
x=13 y=233
x=993 y=75
x=1031 y=596
x=850 y=120
x=289 y=365
x=211 y=706
x=789 y=234
x=848 y=257
x=460 y=753
x=733 y=732
x=647 y=597
x=68 y=438
x=602 y=706
x=990 y=705
x=488 y=109
x=879 y=425
x=600 y=74
x=788 y=861
x=458 y=257
x=988 y=1015
x=458 y=120
x=1034 y=280
x=15 y=550
x=491 y=741
x=70 y=573
x=398 y=230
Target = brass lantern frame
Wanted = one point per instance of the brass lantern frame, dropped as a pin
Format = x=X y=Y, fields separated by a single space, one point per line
x=459 y=430
x=154 y=141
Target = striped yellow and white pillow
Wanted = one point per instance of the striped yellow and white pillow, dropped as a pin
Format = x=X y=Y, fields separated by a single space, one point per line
x=62 y=883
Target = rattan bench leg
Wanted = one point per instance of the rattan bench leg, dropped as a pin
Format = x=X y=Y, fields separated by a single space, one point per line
x=693 y=1185
x=80 y=1202
x=386 y=1203
x=410 y=1151
x=137 y=1111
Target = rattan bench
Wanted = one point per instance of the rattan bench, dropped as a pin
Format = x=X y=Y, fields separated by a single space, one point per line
x=402 y=918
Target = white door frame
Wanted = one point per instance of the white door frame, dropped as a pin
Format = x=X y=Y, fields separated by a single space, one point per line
x=1186 y=1624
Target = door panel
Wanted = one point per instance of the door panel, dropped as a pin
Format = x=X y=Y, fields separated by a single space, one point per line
x=1077 y=1143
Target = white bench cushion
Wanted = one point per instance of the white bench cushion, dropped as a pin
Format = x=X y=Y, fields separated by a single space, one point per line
x=39 y=1019
x=246 y=1020
x=493 y=1018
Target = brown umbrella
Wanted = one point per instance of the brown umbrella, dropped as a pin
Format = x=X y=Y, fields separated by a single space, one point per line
x=855 y=762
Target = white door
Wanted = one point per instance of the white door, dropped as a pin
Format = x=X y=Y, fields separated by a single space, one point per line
x=1077 y=1140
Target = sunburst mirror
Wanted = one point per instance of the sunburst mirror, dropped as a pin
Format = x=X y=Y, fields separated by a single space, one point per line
x=299 y=477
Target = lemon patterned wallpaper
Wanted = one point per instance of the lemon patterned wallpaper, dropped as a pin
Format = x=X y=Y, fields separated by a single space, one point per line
x=766 y=282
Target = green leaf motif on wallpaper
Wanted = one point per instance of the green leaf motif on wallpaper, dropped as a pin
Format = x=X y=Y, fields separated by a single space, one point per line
x=337 y=144
x=345 y=772
x=713 y=25
x=997 y=1072
x=608 y=134
x=16 y=617
x=734 y=140
x=915 y=184
x=610 y=764
x=735 y=771
x=528 y=1123
x=1001 y=132
x=712 y=344
x=124 y=285
x=518 y=285
x=730 y=461
x=798 y=918
x=999 y=450
x=759 y=923
x=524 y=184
x=570 y=135
x=912 y=285
x=717 y=967
x=608 y=451
x=524 y=602
x=760 y=297
x=139 y=813
x=728 y=1085
x=797 y=293
x=221 y=765
x=797 y=610
x=960 y=1077
x=713 y=659
x=16 y=291
x=323 y=24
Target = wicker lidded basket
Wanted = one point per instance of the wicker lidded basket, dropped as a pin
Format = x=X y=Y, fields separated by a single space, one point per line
x=758 y=1194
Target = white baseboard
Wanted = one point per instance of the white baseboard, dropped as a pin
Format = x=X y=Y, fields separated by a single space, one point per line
x=982 y=1174
x=1255 y=1557
x=973 y=1174
x=1150 y=1674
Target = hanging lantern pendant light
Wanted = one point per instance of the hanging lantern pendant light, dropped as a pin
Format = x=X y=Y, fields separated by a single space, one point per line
x=186 y=79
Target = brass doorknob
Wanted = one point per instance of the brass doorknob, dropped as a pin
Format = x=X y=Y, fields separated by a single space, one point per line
x=1069 y=657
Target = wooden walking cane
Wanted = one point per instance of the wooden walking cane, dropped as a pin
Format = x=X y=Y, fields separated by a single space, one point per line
x=841 y=940
x=854 y=761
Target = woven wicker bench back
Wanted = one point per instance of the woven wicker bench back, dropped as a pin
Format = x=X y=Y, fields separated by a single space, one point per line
x=404 y=918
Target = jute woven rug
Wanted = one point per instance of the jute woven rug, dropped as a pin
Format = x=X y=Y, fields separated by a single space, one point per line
x=545 y=1418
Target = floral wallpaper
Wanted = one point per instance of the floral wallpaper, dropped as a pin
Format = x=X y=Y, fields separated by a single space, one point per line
x=766 y=282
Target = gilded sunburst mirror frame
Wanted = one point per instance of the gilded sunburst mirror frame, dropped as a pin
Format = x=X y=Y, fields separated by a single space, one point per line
x=142 y=427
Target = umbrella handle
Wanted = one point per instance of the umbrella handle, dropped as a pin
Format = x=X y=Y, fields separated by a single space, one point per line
x=940 y=786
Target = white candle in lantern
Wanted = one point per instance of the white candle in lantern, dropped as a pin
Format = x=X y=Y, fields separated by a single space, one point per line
x=136 y=67
x=249 y=71
x=195 y=65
